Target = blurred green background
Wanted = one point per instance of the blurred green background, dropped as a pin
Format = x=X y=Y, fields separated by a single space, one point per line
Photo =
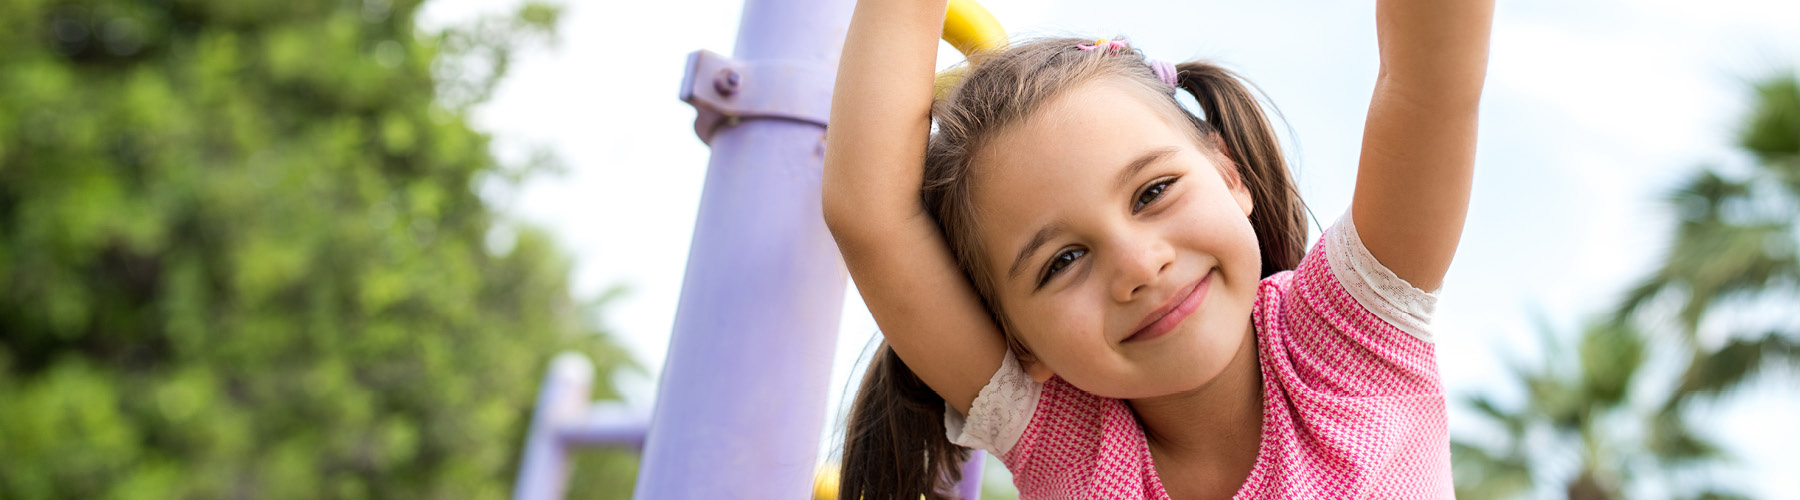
x=242 y=256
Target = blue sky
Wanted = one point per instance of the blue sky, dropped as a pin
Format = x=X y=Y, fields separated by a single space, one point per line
x=1592 y=110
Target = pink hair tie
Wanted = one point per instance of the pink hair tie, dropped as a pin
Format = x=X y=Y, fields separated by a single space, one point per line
x=1165 y=72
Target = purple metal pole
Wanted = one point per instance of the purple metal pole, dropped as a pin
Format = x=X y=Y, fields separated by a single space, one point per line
x=544 y=470
x=566 y=418
x=606 y=424
x=970 y=487
x=742 y=399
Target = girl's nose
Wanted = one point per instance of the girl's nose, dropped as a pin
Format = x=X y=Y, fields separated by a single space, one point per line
x=1141 y=265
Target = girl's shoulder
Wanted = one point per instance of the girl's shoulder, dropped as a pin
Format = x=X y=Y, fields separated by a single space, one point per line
x=1002 y=409
x=1342 y=307
x=1018 y=419
x=1339 y=271
x=1059 y=441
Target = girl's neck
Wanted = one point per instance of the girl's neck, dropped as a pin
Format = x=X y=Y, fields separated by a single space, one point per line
x=1217 y=424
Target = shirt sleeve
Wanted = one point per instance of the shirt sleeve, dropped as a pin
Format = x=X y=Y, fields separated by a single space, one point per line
x=1375 y=287
x=1000 y=412
x=1348 y=326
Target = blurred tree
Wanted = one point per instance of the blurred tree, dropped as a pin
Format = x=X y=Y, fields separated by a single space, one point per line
x=1734 y=256
x=1584 y=427
x=1723 y=296
x=242 y=256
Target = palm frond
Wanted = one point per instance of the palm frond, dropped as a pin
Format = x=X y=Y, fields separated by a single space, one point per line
x=1773 y=133
x=1611 y=353
x=1674 y=444
x=1712 y=373
x=1732 y=240
x=1515 y=423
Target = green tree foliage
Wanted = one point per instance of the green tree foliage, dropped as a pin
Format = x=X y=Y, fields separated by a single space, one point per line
x=1736 y=242
x=1585 y=427
x=242 y=256
x=1732 y=262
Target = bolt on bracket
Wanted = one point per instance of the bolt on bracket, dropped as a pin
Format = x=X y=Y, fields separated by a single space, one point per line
x=725 y=91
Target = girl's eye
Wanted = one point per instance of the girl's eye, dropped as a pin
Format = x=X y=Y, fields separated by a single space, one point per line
x=1060 y=262
x=1151 y=194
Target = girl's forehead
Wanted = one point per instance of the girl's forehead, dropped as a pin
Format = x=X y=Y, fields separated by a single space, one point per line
x=1074 y=147
x=1094 y=126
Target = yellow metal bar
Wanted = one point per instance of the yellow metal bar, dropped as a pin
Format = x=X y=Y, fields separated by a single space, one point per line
x=971 y=28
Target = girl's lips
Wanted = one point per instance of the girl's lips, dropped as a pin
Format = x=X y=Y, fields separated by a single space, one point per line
x=1164 y=319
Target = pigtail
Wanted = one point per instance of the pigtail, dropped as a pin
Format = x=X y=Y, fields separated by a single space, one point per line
x=1235 y=120
x=894 y=442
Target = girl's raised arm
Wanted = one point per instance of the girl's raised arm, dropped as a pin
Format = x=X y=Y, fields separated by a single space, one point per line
x=874 y=163
x=1418 y=153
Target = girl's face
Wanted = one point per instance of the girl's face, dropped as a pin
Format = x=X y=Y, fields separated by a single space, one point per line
x=1121 y=252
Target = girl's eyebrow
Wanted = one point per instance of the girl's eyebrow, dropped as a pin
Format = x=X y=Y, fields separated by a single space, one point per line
x=1037 y=240
x=1045 y=233
x=1138 y=164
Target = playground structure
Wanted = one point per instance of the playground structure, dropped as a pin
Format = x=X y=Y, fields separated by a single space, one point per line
x=741 y=403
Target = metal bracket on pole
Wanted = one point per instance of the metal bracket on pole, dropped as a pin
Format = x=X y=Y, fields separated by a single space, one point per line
x=725 y=91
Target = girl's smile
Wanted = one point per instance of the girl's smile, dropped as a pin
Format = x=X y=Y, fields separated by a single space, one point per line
x=1179 y=306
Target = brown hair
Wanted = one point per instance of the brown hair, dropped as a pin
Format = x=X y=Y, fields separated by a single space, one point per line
x=894 y=445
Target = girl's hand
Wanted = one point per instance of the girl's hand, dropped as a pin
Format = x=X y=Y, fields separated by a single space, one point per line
x=1418 y=154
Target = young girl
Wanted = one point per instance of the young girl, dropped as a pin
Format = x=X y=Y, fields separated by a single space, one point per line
x=1117 y=294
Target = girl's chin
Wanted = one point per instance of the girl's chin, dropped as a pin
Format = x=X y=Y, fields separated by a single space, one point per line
x=1184 y=372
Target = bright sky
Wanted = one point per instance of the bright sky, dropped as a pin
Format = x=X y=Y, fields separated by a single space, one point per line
x=1592 y=110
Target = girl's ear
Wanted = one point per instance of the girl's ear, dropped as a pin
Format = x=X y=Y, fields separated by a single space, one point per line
x=1234 y=180
x=1240 y=192
x=1036 y=370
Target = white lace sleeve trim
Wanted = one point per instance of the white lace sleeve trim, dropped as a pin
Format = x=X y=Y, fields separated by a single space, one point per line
x=998 y=417
x=1374 y=286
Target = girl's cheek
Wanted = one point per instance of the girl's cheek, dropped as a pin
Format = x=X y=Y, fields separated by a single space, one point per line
x=1077 y=319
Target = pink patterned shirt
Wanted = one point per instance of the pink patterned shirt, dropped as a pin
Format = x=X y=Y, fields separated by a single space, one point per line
x=1352 y=403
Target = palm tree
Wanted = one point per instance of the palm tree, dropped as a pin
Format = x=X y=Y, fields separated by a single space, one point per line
x=1584 y=425
x=1733 y=262
x=1735 y=248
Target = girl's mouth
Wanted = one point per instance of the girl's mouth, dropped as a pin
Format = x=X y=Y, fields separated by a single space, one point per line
x=1178 y=308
